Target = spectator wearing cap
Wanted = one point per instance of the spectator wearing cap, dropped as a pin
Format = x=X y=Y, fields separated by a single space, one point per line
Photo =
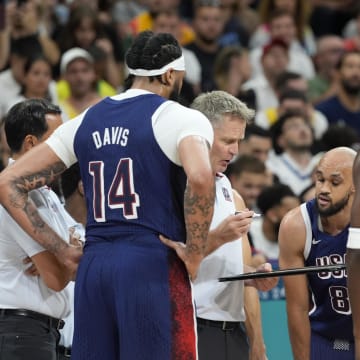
x=293 y=162
x=282 y=26
x=77 y=69
x=274 y=61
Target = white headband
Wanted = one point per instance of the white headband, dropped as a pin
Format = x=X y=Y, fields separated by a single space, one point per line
x=177 y=64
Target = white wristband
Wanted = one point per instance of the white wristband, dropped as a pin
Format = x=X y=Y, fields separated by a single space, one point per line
x=354 y=238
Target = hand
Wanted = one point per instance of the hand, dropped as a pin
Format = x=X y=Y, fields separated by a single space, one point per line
x=32 y=269
x=70 y=256
x=262 y=284
x=230 y=229
x=75 y=237
x=182 y=252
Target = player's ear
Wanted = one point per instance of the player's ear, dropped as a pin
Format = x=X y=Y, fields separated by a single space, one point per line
x=80 y=187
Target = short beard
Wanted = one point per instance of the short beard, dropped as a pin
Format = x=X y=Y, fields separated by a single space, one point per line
x=352 y=90
x=335 y=208
x=175 y=94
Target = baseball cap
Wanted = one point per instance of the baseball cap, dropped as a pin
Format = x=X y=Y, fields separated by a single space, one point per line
x=274 y=42
x=73 y=54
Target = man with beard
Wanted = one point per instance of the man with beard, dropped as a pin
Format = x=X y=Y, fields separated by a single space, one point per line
x=293 y=162
x=208 y=26
x=315 y=233
x=145 y=166
x=344 y=107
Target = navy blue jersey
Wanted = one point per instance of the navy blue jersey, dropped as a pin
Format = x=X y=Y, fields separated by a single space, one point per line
x=330 y=315
x=124 y=170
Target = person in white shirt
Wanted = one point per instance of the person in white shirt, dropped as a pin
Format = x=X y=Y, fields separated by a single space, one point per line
x=293 y=161
x=224 y=310
x=31 y=307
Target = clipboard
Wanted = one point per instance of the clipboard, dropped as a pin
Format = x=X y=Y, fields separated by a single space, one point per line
x=284 y=272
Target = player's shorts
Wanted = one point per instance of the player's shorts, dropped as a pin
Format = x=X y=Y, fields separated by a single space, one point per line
x=326 y=349
x=133 y=300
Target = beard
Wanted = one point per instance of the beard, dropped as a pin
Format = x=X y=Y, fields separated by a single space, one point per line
x=175 y=93
x=334 y=208
x=349 y=88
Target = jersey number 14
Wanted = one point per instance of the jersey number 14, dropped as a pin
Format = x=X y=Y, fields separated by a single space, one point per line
x=121 y=194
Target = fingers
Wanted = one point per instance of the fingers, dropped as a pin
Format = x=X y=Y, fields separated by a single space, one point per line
x=27 y=260
x=32 y=271
x=171 y=243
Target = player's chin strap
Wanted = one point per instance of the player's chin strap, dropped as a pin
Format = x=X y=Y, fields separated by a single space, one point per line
x=177 y=64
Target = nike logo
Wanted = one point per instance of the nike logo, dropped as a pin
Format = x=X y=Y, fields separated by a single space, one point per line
x=314 y=242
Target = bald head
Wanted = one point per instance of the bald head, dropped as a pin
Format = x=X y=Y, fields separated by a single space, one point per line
x=338 y=158
x=329 y=42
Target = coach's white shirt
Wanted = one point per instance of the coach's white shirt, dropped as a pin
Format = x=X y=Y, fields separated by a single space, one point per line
x=214 y=300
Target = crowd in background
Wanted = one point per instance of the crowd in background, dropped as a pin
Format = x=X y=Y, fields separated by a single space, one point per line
x=296 y=62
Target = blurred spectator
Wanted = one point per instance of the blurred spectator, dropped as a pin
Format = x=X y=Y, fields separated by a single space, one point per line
x=234 y=32
x=330 y=16
x=352 y=38
x=36 y=81
x=168 y=21
x=208 y=26
x=249 y=17
x=329 y=51
x=247 y=175
x=12 y=78
x=77 y=68
x=293 y=162
x=282 y=26
x=23 y=21
x=257 y=142
x=85 y=30
x=273 y=203
x=293 y=100
x=231 y=70
x=344 y=106
x=300 y=10
x=338 y=135
x=144 y=21
x=274 y=61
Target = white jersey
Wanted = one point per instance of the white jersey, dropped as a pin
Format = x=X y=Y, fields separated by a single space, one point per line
x=290 y=173
x=171 y=123
x=262 y=244
x=214 y=300
x=17 y=289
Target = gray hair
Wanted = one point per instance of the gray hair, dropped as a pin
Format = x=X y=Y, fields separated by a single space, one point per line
x=217 y=103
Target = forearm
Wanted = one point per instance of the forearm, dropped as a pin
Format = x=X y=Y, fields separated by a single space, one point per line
x=14 y=191
x=113 y=72
x=300 y=334
x=253 y=322
x=50 y=49
x=198 y=207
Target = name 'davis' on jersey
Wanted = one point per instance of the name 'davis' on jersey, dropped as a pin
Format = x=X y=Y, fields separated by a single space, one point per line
x=111 y=136
x=333 y=259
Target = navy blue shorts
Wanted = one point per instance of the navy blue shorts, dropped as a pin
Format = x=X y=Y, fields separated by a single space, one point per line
x=133 y=301
x=326 y=349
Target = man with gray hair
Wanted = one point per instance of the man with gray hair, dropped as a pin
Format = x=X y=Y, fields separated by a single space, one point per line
x=221 y=306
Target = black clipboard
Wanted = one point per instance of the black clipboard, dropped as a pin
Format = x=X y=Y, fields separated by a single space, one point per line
x=284 y=272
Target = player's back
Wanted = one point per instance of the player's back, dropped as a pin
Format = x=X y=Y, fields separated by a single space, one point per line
x=130 y=184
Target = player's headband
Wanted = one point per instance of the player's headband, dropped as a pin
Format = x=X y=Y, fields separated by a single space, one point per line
x=177 y=64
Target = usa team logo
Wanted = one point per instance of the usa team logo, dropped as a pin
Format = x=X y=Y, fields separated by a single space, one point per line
x=226 y=194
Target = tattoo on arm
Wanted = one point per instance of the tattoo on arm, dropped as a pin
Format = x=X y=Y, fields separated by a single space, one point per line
x=19 y=199
x=198 y=216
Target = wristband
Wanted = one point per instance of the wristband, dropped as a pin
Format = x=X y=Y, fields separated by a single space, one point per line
x=353 y=238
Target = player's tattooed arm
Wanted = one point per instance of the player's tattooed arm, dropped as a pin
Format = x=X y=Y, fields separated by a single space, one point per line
x=19 y=199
